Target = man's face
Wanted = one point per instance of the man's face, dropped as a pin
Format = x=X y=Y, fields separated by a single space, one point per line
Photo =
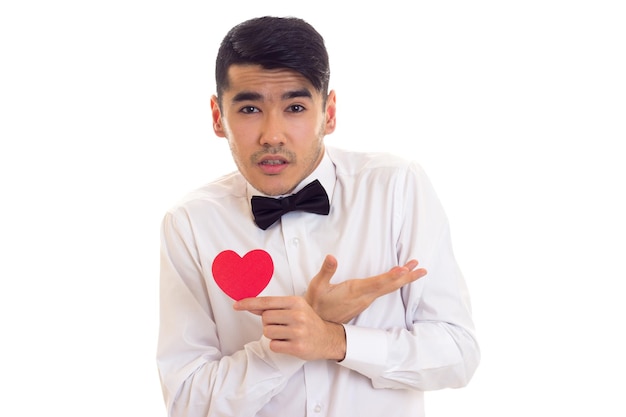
x=275 y=123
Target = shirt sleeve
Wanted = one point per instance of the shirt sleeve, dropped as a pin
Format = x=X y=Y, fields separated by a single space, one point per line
x=192 y=369
x=437 y=348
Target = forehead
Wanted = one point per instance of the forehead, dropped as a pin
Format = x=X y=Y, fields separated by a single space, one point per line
x=268 y=83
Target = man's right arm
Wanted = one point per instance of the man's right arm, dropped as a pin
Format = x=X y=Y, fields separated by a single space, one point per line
x=197 y=379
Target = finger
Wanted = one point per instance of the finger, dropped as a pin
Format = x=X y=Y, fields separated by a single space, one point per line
x=417 y=274
x=396 y=278
x=399 y=271
x=276 y=318
x=411 y=265
x=257 y=312
x=276 y=332
x=408 y=276
x=257 y=305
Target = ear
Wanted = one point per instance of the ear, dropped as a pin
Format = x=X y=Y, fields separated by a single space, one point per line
x=216 y=113
x=331 y=112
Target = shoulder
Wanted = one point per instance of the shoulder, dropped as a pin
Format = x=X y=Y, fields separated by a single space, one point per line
x=219 y=193
x=357 y=164
x=389 y=176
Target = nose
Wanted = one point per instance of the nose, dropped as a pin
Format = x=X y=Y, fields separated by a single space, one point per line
x=272 y=130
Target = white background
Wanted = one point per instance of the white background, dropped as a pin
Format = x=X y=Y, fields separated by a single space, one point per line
x=515 y=109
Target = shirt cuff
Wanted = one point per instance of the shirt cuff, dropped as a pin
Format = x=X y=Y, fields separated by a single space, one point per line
x=366 y=350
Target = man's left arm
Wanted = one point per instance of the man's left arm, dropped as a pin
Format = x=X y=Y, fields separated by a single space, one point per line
x=437 y=347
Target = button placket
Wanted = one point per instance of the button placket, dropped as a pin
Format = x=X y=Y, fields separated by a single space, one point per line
x=303 y=265
x=292 y=238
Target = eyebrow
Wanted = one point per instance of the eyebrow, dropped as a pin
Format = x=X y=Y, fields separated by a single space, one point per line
x=247 y=96
x=297 y=93
x=252 y=96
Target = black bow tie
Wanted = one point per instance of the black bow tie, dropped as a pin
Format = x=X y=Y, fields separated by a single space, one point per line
x=312 y=198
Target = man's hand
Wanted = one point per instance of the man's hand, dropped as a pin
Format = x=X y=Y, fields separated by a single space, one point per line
x=340 y=303
x=295 y=329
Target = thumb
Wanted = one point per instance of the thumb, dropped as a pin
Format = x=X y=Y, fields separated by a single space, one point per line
x=328 y=269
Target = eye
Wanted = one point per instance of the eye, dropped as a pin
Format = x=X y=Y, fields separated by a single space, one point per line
x=249 y=109
x=296 y=108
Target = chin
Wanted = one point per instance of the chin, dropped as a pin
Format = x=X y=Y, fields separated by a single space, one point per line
x=276 y=189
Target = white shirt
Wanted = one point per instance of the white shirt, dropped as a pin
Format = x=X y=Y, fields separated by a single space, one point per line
x=213 y=360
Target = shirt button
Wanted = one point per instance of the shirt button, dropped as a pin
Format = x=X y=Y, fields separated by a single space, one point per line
x=295 y=242
x=317 y=408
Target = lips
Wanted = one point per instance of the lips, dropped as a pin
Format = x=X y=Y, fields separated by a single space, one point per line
x=273 y=164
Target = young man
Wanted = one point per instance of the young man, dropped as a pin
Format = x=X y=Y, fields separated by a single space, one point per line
x=319 y=248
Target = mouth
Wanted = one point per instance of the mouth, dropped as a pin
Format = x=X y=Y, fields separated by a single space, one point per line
x=273 y=164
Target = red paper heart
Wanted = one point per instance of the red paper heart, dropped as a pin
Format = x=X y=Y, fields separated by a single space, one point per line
x=243 y=277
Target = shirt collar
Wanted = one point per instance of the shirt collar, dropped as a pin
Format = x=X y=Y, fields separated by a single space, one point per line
x=325 y=173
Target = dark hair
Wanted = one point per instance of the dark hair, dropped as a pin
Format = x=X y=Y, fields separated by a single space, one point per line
x=275 y=42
